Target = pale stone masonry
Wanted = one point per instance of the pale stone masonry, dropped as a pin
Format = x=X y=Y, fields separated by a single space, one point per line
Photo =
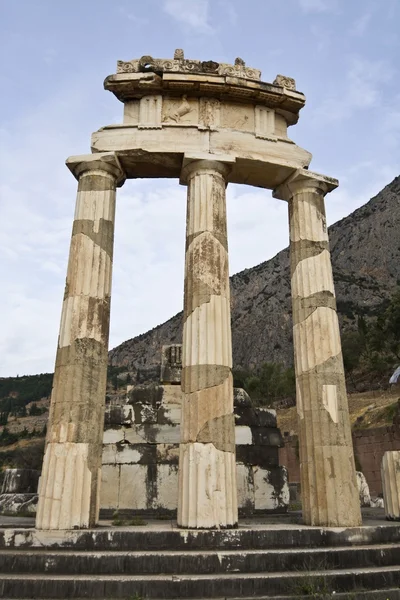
x=207 y=468
x=69 y=486
x=328 y=476
x=391 y=484
x=211 y=124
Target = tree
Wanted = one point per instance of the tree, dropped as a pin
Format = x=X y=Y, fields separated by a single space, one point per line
x=272 y=382
x=353 y=345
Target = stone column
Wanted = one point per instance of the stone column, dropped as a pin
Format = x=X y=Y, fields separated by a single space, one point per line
x=71 y=473
x=207 y=496
x=390 y=472
x=328 y=478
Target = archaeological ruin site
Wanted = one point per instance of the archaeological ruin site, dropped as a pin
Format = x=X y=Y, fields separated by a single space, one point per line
x=193 y=449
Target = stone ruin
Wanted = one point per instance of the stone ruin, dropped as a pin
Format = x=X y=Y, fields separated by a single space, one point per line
x=141 y=450
x=206 y=124
x=19 y=491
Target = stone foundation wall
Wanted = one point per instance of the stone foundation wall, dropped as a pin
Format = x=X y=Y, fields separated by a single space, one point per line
x=369 y=447
x=141 y=454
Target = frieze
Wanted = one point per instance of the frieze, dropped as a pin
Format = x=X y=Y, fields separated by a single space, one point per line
x=179 y=64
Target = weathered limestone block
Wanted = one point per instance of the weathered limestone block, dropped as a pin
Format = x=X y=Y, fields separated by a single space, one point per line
x=119 y=415
x=245 y=488
x=69 y=485
x=207 y=467
x=391 y=484
x=328 y=479
x=166 y=487
x=266 y=486
x=235 y=116
x=128 y=443
x=124 y=487
x=159 y=404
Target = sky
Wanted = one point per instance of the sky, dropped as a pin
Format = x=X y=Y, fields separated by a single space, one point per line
x=54 y=56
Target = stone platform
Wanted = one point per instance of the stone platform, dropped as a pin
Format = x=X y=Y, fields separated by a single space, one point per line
x=263 y=558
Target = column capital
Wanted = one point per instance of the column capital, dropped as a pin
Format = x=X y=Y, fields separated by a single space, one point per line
x=202 y=161
x=102 y=161
x=303 y=180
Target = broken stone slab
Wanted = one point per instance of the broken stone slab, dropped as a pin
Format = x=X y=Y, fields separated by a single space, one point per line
x=271 y=489
x=18 y=503
x=377 y=502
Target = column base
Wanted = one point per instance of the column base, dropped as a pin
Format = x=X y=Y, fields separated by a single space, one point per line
x=329 y=489
x=390 y=472
x=66 y=488
x=207 y=487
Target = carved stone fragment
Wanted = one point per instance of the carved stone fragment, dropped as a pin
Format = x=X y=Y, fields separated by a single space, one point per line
x=286 y=82
x=182 y=65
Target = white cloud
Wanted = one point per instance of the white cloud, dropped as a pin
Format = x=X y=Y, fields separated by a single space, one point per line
x=229 y=10
x=318 y=6
x=361 y=24
x=190 y=13
x=37 y=195
x=133 y=17
x=363 y=89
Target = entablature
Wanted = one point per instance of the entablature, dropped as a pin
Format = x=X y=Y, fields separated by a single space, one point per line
x=176 y=77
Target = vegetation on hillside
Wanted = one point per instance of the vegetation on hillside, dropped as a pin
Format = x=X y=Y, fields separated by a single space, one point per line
x=372 y=351
x=370 y=354
x=267 y=384
x=17 y=392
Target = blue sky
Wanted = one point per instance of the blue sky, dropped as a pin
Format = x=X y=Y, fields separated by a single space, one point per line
x=54 y=58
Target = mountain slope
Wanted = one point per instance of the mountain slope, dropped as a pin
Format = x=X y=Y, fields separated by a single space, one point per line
x=365 y=249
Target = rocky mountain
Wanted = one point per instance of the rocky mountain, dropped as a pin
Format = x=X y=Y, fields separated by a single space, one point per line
x=365 y=249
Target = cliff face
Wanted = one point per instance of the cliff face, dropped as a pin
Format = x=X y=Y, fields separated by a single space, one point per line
x=365 y=248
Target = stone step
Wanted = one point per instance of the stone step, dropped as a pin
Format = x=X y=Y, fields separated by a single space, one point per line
x=166 y=537
x=194 y=586
x=207 y=562
x=385 y=594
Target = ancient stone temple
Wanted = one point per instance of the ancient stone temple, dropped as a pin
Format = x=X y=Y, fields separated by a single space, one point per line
x=207 y=124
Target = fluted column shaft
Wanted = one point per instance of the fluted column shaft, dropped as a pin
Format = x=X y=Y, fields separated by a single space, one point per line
x=328 y=479
x=390 y=472
x=207 y=494
x=69 y=485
